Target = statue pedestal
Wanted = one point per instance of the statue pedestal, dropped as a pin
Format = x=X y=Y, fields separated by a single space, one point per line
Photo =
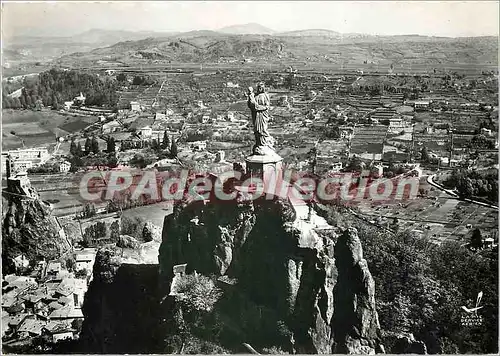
x=266 y=169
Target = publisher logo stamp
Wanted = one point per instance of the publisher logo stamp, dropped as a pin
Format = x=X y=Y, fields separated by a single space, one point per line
x=470 y=317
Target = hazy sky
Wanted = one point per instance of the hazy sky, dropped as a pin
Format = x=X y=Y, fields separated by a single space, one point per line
x=446 y=18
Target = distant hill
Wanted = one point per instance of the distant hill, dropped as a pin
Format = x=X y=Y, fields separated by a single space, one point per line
x=311 y=32
x=110 y=37
x=308 y=45
x=249 y=28
x=49 y=47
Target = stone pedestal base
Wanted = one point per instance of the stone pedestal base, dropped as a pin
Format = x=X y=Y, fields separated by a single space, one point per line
x=266 y=169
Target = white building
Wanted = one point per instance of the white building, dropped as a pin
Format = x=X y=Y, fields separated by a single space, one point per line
x=486 y=132
x=59 y=331
x=110 y=127
x=160 y=116
x=219 y=156
x=205 y=119
x=21 y=262
x=135 y=106
x=146 y=132
x=335 y=167
x=30 y=153
x=84 y=260
x=198 y=145
x=346 y=132
x=23 y=159
x=64 y=167
x=422 y=105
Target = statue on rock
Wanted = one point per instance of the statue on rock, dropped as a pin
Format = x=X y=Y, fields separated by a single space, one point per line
x=259 y=106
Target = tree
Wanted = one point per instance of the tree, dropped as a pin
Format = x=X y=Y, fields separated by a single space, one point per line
x=424 y=154
x=29 y=102
x=88 y=145
x=22 y=100
x=72 y=148
x=78 y=150
x=111 y=146
x=7 y=102
x=465 y=188
x=94 y=145
x=200 y=293
x=355 y=165
x=55 y=103
x=80 y=274
x=138 y=80
x=114 y=229
x=173 y=149
x=16 y=103
x=147 y=236
x=101 y=229
x=70 y=264
x=88 y=237
x=122 y=77
x=166 y=141
x=476 y=240
x=88 y=211
x=290 y=81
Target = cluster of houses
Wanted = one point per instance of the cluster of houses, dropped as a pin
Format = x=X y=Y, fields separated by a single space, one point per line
x=46 y=302
x=23 y=159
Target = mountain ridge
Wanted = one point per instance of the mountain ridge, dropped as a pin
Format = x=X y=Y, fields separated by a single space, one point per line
x=324 y=47
x=317 y=44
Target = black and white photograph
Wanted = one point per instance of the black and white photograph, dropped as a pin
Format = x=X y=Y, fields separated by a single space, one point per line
x=250 y=177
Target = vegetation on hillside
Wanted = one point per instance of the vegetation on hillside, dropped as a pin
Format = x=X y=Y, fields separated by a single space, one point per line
x=54 y=87
x=420 y=287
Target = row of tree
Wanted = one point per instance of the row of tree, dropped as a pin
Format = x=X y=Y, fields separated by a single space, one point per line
x=473 y=183
x=93 y=233
x=91 y=145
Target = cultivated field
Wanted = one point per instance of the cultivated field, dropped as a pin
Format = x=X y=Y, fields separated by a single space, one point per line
x=38 y=128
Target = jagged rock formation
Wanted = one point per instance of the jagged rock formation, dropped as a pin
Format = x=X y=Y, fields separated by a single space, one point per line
x=120 y=307
x=404 y=343
x=30 y=229
x=290 y=275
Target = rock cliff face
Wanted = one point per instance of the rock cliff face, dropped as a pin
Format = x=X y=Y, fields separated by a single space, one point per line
x=310 y=280
x=120 y=307
x=30 y=229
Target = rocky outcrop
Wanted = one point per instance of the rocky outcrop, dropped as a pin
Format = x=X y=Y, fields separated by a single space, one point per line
x=356 y=320
x=30 y=229
x=404 y=343
x=126 y=241
x=309 y=280
x=120 y=307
